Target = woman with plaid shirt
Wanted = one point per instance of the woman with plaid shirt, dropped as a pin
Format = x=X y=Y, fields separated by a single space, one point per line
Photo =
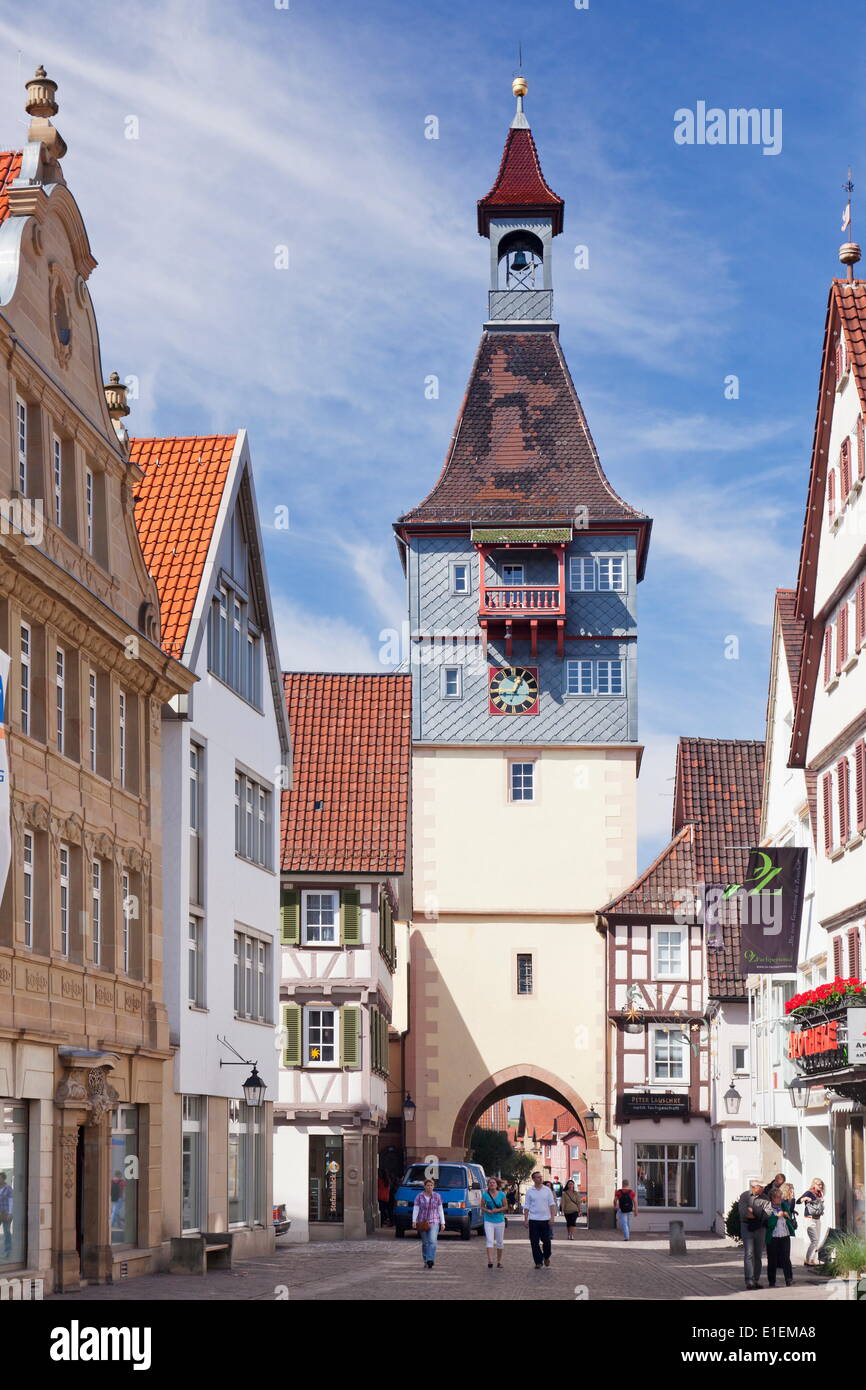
x=428 y=1218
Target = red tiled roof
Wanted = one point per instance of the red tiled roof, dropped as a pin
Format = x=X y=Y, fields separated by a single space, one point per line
x=176 y=506
x=10 y=168
x=538 y=1117
x=520 y=186
x=717 y=812
x=793 y=630
x=521 y=450
x=351 y=736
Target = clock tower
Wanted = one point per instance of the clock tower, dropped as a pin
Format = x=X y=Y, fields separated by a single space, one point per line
x=522 y=566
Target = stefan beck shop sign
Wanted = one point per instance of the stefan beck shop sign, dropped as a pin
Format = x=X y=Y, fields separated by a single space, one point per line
x=764 y=910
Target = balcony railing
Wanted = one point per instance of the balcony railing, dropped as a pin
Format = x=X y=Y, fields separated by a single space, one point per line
x=523 y=599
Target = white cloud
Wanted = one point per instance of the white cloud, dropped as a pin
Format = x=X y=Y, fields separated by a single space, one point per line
x=314 y=642
x=655 y=789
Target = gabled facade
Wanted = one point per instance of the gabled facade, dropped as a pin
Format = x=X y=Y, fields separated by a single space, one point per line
x=345 y=887
x=225 y=762
x=522 y=568
x=84 y=1036
x=828 y=740
x=677 y=1010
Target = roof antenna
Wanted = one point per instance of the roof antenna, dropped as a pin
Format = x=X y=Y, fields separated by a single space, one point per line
x=849 y=251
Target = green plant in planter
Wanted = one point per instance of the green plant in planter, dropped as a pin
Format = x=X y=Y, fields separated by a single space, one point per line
x=732 y=1221
x=846 y=1256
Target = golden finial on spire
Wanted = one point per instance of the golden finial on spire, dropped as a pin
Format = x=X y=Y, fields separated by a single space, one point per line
x=520 y=86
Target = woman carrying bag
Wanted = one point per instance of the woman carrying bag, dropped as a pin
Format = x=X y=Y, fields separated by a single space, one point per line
x=570 y=1206
x=813 y=1210
x=428 y=1218
x=493 y=1208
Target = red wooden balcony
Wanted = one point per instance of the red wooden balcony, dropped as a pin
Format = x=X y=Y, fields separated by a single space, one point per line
x=523 y=601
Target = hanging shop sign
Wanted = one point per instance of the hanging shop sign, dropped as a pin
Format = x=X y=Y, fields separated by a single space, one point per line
x=643 y=1105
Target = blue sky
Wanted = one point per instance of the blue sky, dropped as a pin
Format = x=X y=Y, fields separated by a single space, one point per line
x=260 y=128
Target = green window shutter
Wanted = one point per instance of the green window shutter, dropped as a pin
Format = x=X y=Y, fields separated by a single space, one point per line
x=386 y=1057
x=392 y=938
x=383 y=925
x=350 y=1036
x=375 y=1039
x=350 y=916
x=292 y=1035
x=290 y=916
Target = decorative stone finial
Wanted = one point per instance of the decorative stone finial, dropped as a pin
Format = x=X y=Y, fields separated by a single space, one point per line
x=849 y=253
x=520 y=86
x=40 y=95
x=115 y=396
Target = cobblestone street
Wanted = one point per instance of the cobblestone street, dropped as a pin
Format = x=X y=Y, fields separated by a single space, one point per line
x=594 y=1267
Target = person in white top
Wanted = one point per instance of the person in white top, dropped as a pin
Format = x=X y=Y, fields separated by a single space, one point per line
x=539 y=1213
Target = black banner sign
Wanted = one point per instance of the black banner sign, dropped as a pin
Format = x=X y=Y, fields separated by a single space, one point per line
x=643 y=1105
x=769 y=907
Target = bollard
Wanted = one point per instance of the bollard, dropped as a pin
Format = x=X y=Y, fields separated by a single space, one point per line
x=676 y=1238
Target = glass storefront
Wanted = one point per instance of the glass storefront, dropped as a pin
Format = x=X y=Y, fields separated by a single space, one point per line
x=192 y=1157
x=666 y=1175
x=850 y=1176
x=246 y=1165
x=125 y=1161
x=13 y=1183
x=326 y=1177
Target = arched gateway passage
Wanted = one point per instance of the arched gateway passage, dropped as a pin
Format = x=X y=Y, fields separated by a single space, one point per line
x=532 y=1080
x=528 y=1080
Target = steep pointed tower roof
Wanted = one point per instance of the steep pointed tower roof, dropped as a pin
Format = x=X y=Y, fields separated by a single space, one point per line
x=520 y=187
x=522 y=453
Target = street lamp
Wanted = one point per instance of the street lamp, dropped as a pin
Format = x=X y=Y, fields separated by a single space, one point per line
x=254 y=1089
x=799 y=1089
x=408 y=1109
x=732 y=1099
x=591 y=1119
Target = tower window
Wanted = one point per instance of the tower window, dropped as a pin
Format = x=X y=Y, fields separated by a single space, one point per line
x=452 y=682
x=611 y=572
x=609 y=679
x=460 y=578
x=524 y=974
x=522 y=781
x=581 y=572
x=512 y=574
x=578 y=678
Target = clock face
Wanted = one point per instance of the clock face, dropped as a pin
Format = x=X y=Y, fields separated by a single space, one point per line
x=513 y=690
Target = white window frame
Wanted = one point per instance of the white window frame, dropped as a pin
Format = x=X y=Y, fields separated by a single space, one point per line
x=615 y=564
x=530 y=956
x=195 y=961
x=57 y=477
x=518 y=568
x=60 y=696
x=64 y=900
x=125 y=919
x=467 y=575
x=252 y=976
x=88 y=509
x=26 y=639
x=21 y=443
x=306 y=926
x=518 y=781
x=743 y=1068
x=581 y=567
x=610 y=662
x=96 y=911
x=29 y=853
x=582 y=665
x=92 y=697
x=457 y=672
x=121 y=731
x=660 y=973
x=331 y=1064
x=673 y=1041
x=253 y=820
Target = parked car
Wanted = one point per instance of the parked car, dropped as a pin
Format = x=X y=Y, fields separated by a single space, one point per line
x=281 y=1221
x=459 y=1185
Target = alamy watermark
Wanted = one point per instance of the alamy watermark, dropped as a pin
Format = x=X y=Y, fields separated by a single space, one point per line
x=737 y=126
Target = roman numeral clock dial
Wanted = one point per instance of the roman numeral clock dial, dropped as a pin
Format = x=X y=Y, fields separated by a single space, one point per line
x=513 y=689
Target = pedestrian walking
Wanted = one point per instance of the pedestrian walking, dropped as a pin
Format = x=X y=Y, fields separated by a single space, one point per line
x=781 y=1225
x=539 y=1213
x=813 y=1211
x=754 y=1209
x=570 y=1206
x=7 y=1198
x=428 y=1218
x=383 y=1193
x=776 y=1182
x=493 y=1207
x=512 y=1196
x=625 y=1206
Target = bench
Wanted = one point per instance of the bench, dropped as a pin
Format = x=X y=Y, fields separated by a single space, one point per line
x=197 y=1254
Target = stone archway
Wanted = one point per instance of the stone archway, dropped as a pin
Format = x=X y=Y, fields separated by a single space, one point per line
x=531 y=1079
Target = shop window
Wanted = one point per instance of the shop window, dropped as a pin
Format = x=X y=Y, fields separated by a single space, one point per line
x=666 y=1175
x=193 y=1185
x=125 y=1166
x=326 y=1177
x=246 y=1165
x=13 y=1184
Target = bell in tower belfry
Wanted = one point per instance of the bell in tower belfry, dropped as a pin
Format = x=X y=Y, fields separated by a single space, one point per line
x=520 y=215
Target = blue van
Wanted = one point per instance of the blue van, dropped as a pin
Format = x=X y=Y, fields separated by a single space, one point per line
x=460 y=1186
